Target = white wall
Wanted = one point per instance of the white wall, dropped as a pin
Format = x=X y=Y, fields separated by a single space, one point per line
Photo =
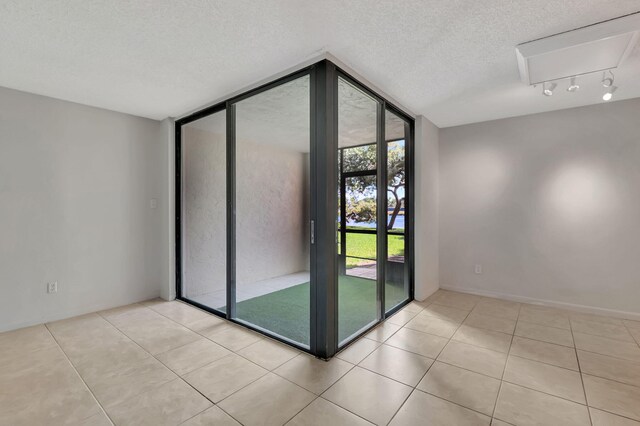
x=548 y=204
x=75 y=190
x=272 y=211
x=426 y=205
x=271 y=216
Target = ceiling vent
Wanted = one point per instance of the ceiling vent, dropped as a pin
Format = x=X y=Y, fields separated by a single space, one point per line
x=595 y=48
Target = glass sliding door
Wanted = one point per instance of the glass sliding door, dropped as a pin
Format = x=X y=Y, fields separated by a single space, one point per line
x=293 y=209
x=357 y=216
x=397 y=285
x=203 y=211
x=272 y=210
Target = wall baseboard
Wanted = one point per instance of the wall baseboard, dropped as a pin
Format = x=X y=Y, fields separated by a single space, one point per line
x=59 y=316
x=551 y=303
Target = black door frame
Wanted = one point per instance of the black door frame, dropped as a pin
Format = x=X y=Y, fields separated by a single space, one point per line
x=324 y=156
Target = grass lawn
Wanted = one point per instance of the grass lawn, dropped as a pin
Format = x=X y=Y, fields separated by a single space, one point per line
x=286 y=312
x=364 y=245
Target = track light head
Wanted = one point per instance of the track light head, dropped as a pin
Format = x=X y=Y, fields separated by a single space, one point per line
x=573 y=87
x=547 y=90
x=607 y=81
x=608 y=95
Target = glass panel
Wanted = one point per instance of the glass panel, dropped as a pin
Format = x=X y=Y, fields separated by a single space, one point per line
x=357 y=193
x=397 y=278
x=272 y=210
x=204 y=233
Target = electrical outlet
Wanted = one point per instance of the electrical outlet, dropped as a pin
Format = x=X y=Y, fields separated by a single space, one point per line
x=153 y=203
x=52 y=287
x=478 y=269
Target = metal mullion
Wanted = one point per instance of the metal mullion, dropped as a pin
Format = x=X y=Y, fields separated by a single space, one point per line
x=409 y=164
x=381 y=219
x=231 y=210
x=325 y=139
x=178 y=207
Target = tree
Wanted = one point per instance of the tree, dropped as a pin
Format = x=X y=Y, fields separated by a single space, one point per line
x=361 y=205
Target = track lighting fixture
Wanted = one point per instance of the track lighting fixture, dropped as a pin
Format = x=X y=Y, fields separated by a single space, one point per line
x=548 y=90
x=573 y=87
x=607 y=83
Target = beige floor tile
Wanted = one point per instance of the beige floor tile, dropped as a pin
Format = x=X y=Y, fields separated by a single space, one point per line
x=401 y=318
x=433 y=325
x=544 y=333
x=498 y=308
x=549 y=353
x=99 y=419
x=634 y=329
x=496 y=422
x=446 y=313
x=89 y=329
x=116 y=386
x=608 y=367
x=602 y=345
x=369 y=395
x=102 y=359
x=234 y=337
x=24 y=340
x=313 y=374
x=126 y=310
x=169 y=404
x=382 y=332
x=612 y=331
x=594 y=318
x=464 y=387
x=268 y=353
x=544 y=316
x=358 y=350
x=155 y=334
x=602 y=418
x=503 y=325
x=545 y=378
x=414 y=307
x=223 y=377
x=612 y=396
x=521 y=406
x=29 y=364
x=424 y=409
x=474 y=358
x=322 y=412
x=45 y=390
x=418 y=342
x=180 y=312
x=457 y=300
x=488 y=339
x=192 y=356
x=213 y=416
x=270 y=400
x=209 y=325
x=405 y=367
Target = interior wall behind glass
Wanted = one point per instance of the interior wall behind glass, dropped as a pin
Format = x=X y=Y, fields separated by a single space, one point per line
x=272 y=210
x=203 y=174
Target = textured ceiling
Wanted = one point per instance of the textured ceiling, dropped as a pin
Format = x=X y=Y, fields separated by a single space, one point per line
x=450 y=60
x=281 y=117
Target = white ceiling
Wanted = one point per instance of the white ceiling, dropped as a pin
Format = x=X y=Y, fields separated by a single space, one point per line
x=281 y=117
x=450 y=60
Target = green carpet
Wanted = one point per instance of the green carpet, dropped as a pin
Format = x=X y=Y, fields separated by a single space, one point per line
x=286 y=312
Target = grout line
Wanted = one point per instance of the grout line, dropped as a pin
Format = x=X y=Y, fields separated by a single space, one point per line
x=504 y=368
x=584 y=390
x=79 y=376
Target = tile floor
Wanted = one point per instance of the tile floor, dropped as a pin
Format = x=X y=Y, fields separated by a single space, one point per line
x=455 y=359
